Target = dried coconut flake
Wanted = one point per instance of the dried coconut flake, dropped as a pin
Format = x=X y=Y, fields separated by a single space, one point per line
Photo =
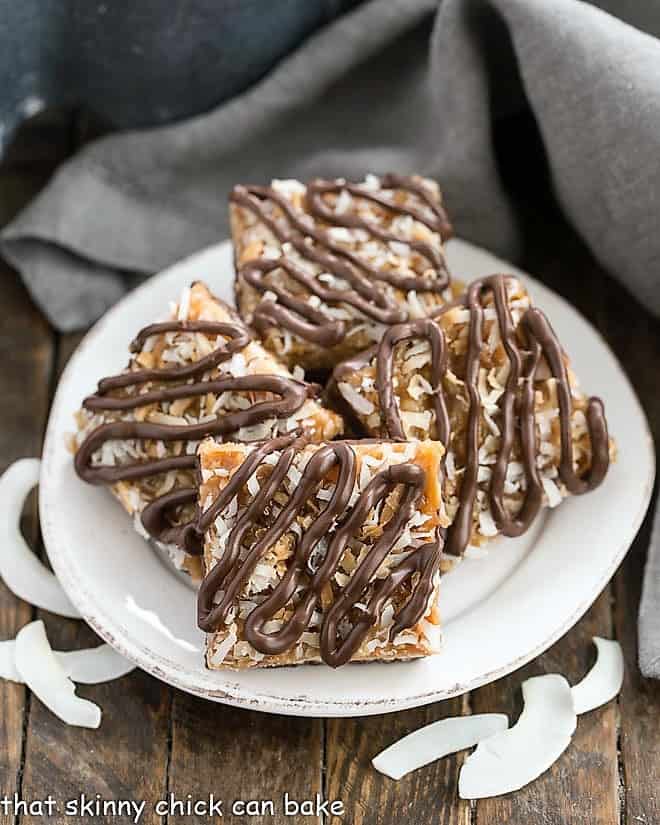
x=359 y=403
x=511 y=759
x=437 y=740
x=47 y=679
x=89 y=666
x=219 y=654
x=604 y=680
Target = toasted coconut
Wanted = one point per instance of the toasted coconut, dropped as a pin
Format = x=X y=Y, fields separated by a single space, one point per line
x=552 y=491
x=361 y=404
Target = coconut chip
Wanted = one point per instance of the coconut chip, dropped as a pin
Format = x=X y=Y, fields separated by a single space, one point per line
x=93 y=665
x=359 y=403
x=507 y=759
x=418 y=386
x=21 y=570
x=89 y=666
x=487 y=526
x=434 y=741
x=512 y=758
x=219 y=654
x=552 y=492
x=421 y=420
x=415 y=305
x=47 y=679
x=604 y=680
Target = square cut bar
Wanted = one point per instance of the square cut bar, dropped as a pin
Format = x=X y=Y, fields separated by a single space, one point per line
x=197 y=374
x=319 y=552
x=489 y=378
x=323 y=268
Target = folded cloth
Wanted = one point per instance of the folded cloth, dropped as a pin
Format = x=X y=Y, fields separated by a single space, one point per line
x=373 y=91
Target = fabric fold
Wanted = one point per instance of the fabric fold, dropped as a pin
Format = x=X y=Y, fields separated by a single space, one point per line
x=386 y=86
x=592 y=83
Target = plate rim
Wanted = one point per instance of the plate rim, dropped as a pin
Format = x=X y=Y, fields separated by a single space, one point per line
x=237 y=695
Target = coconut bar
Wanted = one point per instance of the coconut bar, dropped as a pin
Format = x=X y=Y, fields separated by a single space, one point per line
x=487 y=377
x=324 y=268
x=319 y=552
x=197 y=374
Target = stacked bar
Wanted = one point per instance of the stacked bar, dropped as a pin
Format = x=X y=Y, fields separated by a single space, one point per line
x=324 y=268
x=197 y=374
x=319 y=552
x=488 y=377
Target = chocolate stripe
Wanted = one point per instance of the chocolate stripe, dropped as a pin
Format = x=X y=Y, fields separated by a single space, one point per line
x=517 y=406
x=367 y=283
x=291 y=394
x=228 y=577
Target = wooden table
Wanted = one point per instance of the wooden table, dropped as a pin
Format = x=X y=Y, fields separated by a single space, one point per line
x=155 y=740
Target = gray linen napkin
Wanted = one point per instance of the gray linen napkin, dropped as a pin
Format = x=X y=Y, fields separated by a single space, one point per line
x=373 y=92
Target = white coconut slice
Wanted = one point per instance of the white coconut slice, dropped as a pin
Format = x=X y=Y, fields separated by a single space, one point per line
x=604 y=680
x=552 y=491
x=436 y=740
x=21 y=570
x=511 y=759
x=93 y=665
x=89 y=666
x=46 y=678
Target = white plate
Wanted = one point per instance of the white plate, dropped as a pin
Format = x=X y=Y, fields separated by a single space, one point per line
x=499 y=612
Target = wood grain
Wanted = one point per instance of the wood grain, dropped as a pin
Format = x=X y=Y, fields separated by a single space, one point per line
x=125 y=759
x=424 y=796
x=639 y=701
x=42 y=755
x=634 y=336
x=26 y=350
x=26 y=354
x=242 y=755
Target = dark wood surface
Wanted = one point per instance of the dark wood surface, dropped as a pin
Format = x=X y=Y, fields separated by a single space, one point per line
x=155 y=740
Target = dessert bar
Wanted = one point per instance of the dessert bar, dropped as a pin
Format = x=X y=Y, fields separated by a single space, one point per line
x=487 y=376
x=323 y=268
x=197 y=374
x=319 y=552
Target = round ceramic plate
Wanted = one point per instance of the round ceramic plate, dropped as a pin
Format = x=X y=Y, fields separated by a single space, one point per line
x=499 y=611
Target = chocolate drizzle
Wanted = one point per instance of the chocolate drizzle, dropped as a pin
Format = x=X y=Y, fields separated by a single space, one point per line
x=365 y=291
x=339 y=522
x=423 y=328
x=517 y=407
x=291 y=396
